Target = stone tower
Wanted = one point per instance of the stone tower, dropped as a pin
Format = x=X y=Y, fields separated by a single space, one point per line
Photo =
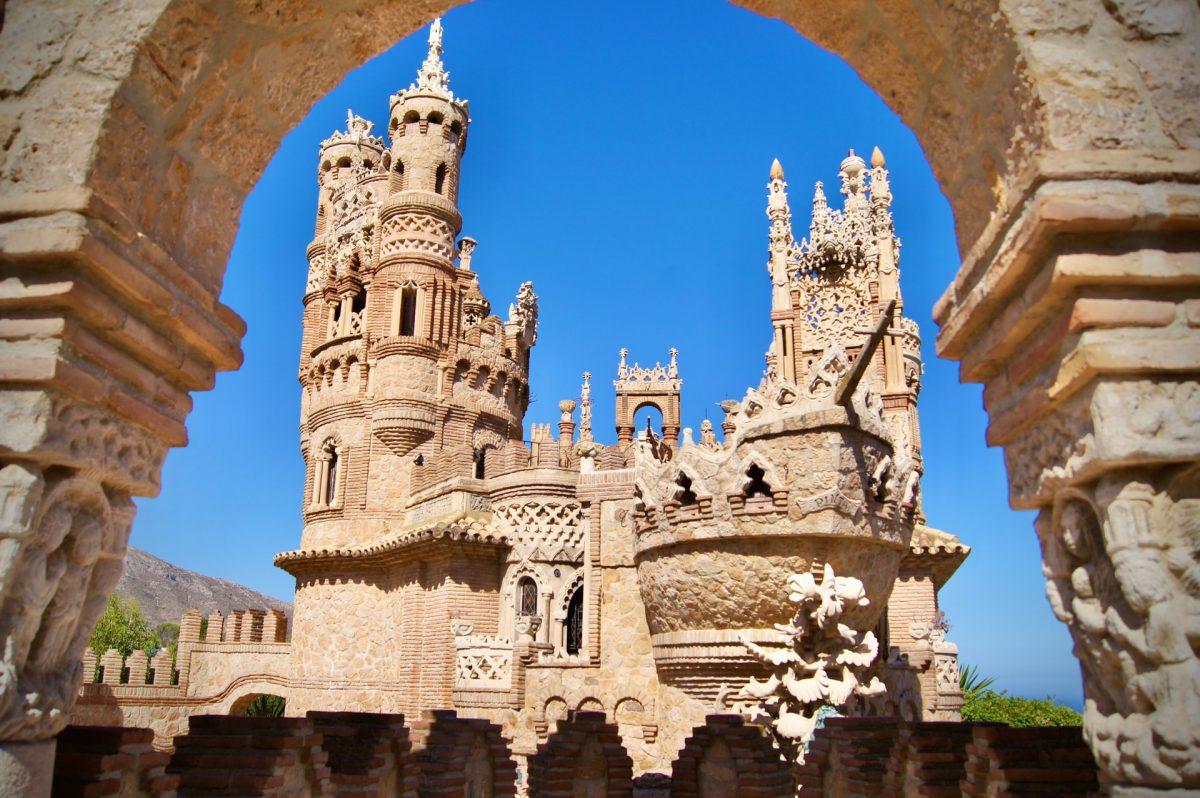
x=406 y=376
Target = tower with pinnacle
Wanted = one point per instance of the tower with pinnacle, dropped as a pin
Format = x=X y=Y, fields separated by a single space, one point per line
x=407 y=380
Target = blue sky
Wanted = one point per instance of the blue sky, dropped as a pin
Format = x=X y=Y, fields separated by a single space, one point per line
x=618 y=157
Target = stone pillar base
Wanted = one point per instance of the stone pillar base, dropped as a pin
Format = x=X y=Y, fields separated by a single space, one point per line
x=27 y=769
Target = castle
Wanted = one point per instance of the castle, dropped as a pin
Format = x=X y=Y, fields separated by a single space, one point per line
x=447 y=562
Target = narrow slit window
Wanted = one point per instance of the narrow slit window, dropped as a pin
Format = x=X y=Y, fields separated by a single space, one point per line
x=408 y=310
x=439 y=180
x=331 y=477
x=480 y=463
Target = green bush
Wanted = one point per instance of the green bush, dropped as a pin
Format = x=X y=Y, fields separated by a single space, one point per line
x=988 y=706
x=123 y=627
x=266 y=706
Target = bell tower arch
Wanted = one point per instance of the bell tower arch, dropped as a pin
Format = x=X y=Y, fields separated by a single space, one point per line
x=657 y=387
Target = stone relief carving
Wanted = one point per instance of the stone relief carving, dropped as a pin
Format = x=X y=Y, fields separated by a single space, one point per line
x=826 y=663
x=61 y=546
x=1121 y=573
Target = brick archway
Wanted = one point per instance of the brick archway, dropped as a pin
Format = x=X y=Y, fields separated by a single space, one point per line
x=133 y=135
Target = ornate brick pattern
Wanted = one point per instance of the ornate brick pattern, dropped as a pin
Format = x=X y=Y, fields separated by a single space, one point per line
x=583 y=756
x=461 y=756
x=370 y=755
x=849 y=757
x=729 y=757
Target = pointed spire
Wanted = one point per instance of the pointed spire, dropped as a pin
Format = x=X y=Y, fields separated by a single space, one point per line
x=433 y=76
x=778 y=210
x=877 y=158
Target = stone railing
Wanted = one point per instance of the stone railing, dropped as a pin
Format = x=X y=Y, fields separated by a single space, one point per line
x=483 y=661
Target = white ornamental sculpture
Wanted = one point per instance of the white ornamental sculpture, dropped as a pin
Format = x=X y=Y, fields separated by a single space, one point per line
x=824 y=665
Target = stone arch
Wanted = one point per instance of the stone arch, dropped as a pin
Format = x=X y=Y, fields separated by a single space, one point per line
x=240 y=706
x=176 y=108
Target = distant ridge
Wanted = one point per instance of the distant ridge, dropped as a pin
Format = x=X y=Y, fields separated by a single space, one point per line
x=165 y=591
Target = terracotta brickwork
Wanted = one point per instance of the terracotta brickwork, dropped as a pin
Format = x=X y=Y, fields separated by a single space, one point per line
x=583 y=757
x=849 y=757
x=928 y=759
x=95 y=761
x=461 y=756
x=729 y=758
x=250 y=756
x=370 y=755
x=1003 y=761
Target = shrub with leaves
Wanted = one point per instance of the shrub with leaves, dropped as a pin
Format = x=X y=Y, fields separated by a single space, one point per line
x=989 y=706
x=266 y=706
x=123 y=627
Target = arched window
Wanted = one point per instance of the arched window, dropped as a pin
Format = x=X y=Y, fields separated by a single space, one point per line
x=527 y=596
x=435 y=118
x=331 y=478
x=344 y=162
x=335 y=319
x=439 y=179
x=358 y=306
x=396 y=181
x=408 y=311
x=758 y=484
x=573 y=629
x=412 y=116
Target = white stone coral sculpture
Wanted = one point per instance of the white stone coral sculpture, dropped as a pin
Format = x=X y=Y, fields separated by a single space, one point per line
x=825 y=664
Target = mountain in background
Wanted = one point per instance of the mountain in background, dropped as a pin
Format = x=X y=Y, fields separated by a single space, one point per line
x=165 y=591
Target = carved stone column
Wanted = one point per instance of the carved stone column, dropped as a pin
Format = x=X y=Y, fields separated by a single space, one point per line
x=1077 y=312
x=103 y=337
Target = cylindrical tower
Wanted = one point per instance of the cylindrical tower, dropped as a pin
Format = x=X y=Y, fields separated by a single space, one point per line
x=419 y=294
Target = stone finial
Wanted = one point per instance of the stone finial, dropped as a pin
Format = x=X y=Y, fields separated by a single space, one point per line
x=877 y=158
x=433 y=76
x=776 y=170
x=566 y=407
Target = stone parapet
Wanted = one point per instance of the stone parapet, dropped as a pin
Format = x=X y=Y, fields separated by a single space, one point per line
x=928 y=759
x=851 y=753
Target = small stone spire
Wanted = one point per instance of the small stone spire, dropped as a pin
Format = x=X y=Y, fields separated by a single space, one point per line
x=778 y=210
x=820 y=203
x=585 y=408
x=433 y=76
